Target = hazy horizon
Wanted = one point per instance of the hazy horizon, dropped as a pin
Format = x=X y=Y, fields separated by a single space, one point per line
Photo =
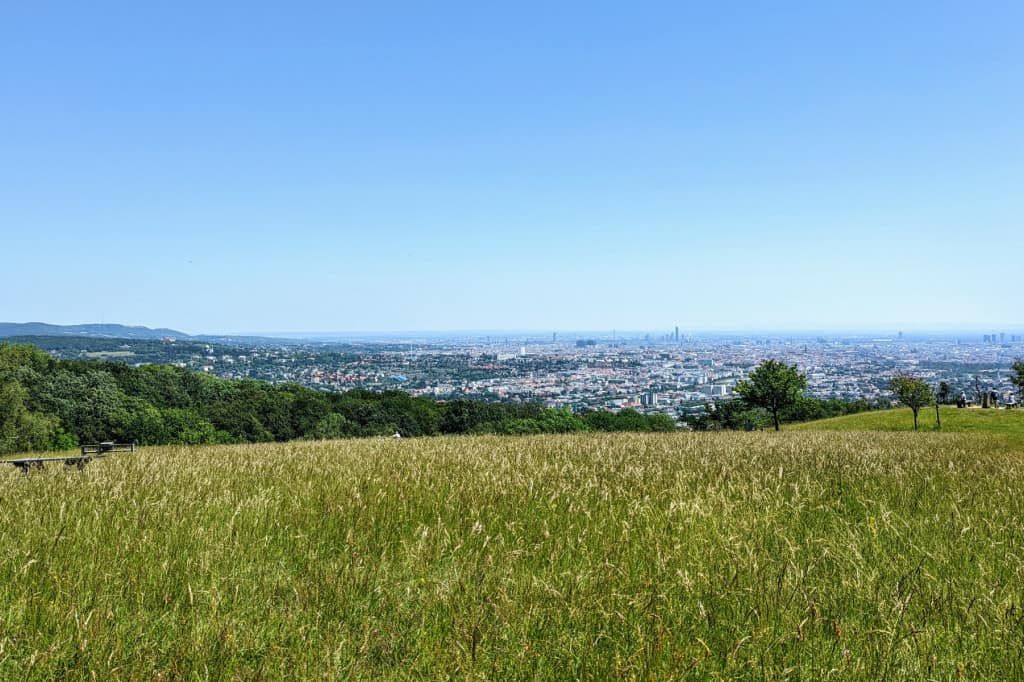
x=545 y=333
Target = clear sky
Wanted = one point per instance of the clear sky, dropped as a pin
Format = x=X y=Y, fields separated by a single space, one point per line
x=245 y=167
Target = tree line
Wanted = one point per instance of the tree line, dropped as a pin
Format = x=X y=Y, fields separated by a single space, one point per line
x=775 y=393
x=51 y=404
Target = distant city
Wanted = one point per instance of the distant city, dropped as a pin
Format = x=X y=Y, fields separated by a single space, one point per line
x=670 y=372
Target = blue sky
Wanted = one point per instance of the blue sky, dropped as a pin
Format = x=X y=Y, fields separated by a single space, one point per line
x=431 y=166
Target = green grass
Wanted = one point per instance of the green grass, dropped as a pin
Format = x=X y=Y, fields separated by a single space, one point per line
x=811 y=555
x=1009 y=423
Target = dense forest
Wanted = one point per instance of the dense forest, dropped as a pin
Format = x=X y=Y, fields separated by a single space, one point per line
x=51 y=404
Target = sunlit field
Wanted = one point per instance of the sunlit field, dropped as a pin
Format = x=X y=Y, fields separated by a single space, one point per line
x=1009 y=423
x=810 y=554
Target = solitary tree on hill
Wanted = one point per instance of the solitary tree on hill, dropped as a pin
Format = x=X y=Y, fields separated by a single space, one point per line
x=912 y=392
x=773 y=385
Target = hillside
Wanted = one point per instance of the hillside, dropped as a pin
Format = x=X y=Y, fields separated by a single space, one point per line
x=115 y=331
x=814 y=554
x=971 y=420
x=29 y=330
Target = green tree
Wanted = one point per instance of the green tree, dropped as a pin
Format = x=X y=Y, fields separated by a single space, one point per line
x=332 y=426
x=188 y=427
x=912 y=392
x=22 y=430
x=86 y=400
x=773 y=385
x=23 y=363
x=551 y=421
x=660 y=422
x=627 y=420
x=141 y=423
x=1018 y=375
x=944 y=393
x=754 y=419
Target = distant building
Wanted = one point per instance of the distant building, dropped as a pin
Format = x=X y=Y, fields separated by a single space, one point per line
x=716 y=390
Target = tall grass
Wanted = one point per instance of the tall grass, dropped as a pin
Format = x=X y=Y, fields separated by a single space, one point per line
x=589 y=556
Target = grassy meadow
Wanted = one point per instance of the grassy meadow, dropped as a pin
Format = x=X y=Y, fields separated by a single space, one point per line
x=1009 y=423
x=759 y=555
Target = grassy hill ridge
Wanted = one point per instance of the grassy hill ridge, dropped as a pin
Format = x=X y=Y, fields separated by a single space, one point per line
x=954 y=420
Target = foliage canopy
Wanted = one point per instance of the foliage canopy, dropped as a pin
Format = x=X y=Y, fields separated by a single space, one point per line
x=913 y=392
x=774 y=386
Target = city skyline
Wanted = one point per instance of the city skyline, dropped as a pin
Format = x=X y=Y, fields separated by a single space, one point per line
x=670 y=333
x=656 y=375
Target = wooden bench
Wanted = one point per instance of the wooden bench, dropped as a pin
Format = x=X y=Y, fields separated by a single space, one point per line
x=89 y=453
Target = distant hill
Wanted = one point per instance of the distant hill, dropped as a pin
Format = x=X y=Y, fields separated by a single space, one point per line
x=114 y=331
x=26 y=331
x=972 y=420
